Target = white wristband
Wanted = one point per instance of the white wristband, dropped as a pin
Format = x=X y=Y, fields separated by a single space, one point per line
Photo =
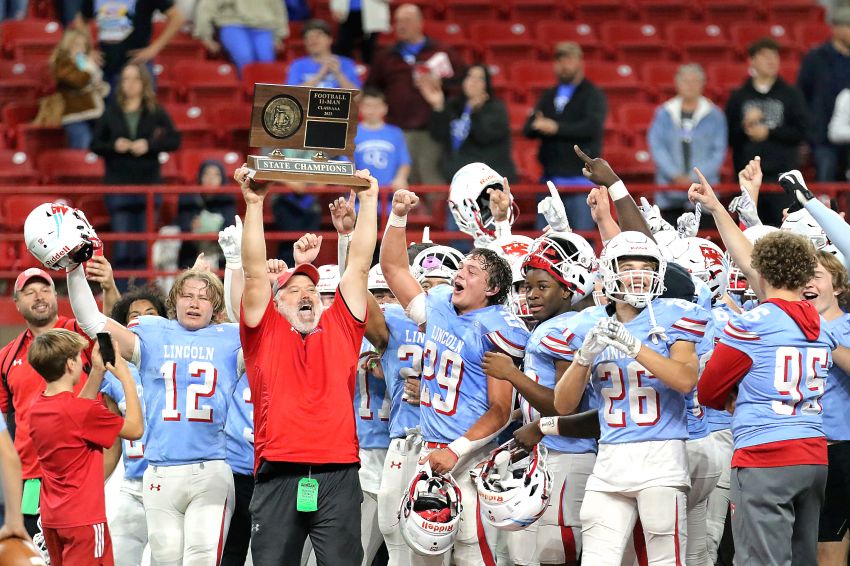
x=618 y=190
x=397 y=221
x=460 y=447
x=234 y=265
x=549 y=426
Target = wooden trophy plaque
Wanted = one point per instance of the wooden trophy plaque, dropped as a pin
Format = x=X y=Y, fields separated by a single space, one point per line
x=323 y=120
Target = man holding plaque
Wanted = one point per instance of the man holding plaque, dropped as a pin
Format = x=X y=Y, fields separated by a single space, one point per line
x=300 y=363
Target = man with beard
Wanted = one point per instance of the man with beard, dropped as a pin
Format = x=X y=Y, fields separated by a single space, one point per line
x=301 y=365
x=35 y=299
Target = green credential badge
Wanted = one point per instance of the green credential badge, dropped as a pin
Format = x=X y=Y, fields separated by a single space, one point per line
x=308 y=495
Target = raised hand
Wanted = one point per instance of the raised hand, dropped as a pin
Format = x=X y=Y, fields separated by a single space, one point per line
x=596 y=169
x=99 y=269
x=702 y=193
x=687 y=225
x=252 y=192
x=590 y=348
x=614 y=333
x=793 y=184
x=403 y=202
x=306 y=249
x=599 y=203
x=500 y=201
x=370 y=192
x=746 y=209
x=652 y=214
x=552 y=209
x=201 y=263
x=750 y=177
x=230 y=241
x=343 y=216
x=528 y=436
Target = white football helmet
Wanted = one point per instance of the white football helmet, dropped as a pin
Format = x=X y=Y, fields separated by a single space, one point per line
x=514 y=249
x=635 y=287
x=665 y=237
x=567 y=257
x=515 y=494
x=430 y=512
x=803 y=223
x=470 y=203
x=441 y=262
x=328 y=279
x=737 y=280
x=703 y=259
x=59 y=236
x=376 y=279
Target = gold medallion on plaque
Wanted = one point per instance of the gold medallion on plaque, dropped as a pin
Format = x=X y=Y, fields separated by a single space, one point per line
x=282 y=116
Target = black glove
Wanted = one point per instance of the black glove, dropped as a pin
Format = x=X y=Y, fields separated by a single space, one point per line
x=793 y=184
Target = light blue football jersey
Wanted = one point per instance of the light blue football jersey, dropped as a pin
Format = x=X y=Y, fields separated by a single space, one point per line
x=720 y=315
x=239 y=429
x=132 y=451
x=545 y=345
x=188 y=378
x=635 y=406
x=371 y=407
x=401 y=359
x=779 y=398
x=836 y=398
x=697 y=420
x=454 y=387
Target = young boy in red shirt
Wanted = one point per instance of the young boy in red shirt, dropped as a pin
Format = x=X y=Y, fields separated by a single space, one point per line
x=70 y=433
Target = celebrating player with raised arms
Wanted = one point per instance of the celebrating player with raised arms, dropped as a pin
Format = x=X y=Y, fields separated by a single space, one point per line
x=559 y=272
x=462 y=409
x=188 y=370
x=639 y=355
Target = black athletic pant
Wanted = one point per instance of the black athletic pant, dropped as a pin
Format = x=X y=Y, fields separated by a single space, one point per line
x=239 y=535
x=278 y=529
x=348 y=34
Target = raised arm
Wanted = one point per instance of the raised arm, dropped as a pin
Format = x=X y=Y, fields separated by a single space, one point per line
x=99 y=270
x=256 y=292
x=353 y=283
x=394 y=261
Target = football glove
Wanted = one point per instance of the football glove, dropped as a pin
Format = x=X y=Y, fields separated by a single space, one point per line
x=616 y=335
x=552 y=209
x=230 y=240
x=792 y=183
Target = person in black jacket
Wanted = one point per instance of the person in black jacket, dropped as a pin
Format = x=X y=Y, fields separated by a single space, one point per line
x=129 y=135
x=472 y=127
x=767 y=117
x=824 y=72
x=573 y=112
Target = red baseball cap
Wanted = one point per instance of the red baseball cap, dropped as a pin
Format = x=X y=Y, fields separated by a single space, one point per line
x=28 y=275
x=307 y=269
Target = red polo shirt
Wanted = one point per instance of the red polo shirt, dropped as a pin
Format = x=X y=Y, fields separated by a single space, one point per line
x=303 y=386
x=26 y=386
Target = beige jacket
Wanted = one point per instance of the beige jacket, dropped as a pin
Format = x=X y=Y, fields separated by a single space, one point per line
x=263 y=14
x=376 y=13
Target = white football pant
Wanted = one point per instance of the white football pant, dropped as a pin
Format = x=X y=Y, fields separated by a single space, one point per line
x=371 y=466
x=399 y=466
x=127 y=525
x=718 y=501
x=704 y=467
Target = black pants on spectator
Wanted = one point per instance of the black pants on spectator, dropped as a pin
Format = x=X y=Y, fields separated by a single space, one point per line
x=279 y=529
x=350 y=31
x=239 y=535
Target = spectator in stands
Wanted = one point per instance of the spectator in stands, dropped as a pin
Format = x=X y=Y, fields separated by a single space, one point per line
x=79 y=83
x=360 y=21
x=320 y=67
x=824 y=72
x=201 y=212
x=767 y=117
x=401 y=72
x=473 y=126
x=380 y=147
x=125 y=34
x=687 y=131
x=249 y=30
x=572 y=112
x=130 y=134
x=13 y=9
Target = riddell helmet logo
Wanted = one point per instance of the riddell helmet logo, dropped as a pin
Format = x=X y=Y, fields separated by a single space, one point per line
x=491 y=497
x=58 y=209
x=436 y=527
x=58 y=255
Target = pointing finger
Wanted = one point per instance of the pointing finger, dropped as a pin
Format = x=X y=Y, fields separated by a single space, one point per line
x=582 y=155
x=701 y=177
x=553 y=190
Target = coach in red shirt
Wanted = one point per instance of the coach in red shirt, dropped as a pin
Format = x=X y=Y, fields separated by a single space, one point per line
x=300 y=363
x=36 y=300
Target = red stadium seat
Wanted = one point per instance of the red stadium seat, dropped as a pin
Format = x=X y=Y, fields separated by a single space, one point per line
x=636 y=117
x=208 y=82
x=618 y=80
x=16 y=168
x=95 y=209
x=745 y=33
x=533 y=77
x=168 y=87
x=181 y=47
x=723 y=78
x=452 y=35
x=233 y=122
x=70 y=166
x=471 y=10
x=169 y=169
x=634 y=42
x=660 y=76
x=531 y=11
x=14 y=114
x=729 y=11
x=193 y=123
x=253 y=73
x=35 y=139
x=525 y=158
x=599 y=11
x=632 y=164
x=811 y=34
x=30 y=37
x=789 y=69
x=660 y=12
x=191 y=159
x=17 y=89
x=790 y=12
x=517 y=116
x=15 y=208
x=550 y=33
x=699 y=42
x=503 y=42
